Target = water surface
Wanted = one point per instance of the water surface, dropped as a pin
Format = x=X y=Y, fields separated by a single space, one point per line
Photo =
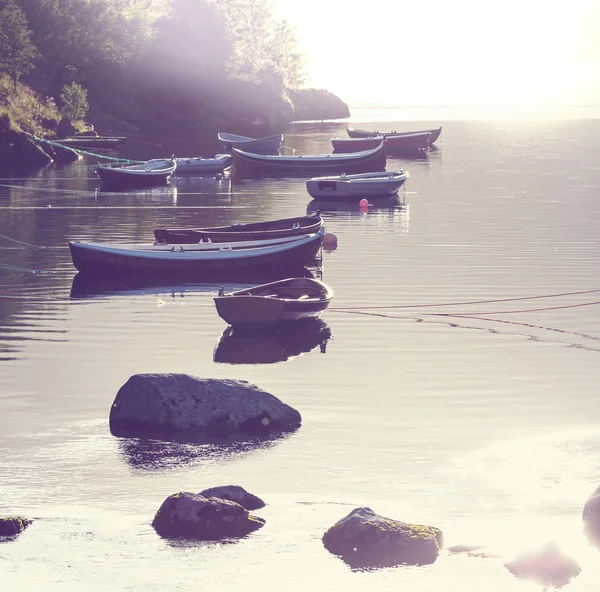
x=457 y=387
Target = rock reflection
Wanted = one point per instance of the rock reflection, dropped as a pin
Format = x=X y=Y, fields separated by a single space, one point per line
x=155 y=455
x=271 y=345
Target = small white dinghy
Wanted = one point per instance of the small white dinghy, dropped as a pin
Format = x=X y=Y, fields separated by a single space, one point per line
x=198 y=165
x=360 y=185
x=292 y=299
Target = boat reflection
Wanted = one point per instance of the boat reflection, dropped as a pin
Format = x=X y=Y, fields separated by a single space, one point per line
x=391 y=202
x=271 y=345
x=97 y=286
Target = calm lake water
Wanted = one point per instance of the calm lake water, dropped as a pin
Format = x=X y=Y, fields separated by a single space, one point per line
x=470 y=403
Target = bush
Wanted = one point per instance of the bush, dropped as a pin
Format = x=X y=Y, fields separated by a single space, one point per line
x=74 y=100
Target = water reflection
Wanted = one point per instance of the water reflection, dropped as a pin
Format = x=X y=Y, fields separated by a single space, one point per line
x=151 y=455
x=97 y=286
x=272 y=345
x=391 y=203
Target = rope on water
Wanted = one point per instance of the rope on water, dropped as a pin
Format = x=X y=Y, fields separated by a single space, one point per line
x=31 y=245
x=398 y=306
x=26 y=269
x=80 y=151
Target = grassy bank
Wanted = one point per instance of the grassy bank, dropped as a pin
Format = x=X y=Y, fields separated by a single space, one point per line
x=25 y=110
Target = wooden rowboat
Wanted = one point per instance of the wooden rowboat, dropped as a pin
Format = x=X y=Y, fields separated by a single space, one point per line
x=356 y=186
x=269 y=145
x=247 y=164
x=357 y=133
x=292 y=299
x=202 y=259
x=241 y=232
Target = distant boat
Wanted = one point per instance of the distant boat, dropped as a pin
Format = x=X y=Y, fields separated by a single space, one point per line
x=357 y=133
x=269 y=145
x=284 y=227
x=394 y=144
x=202 y=165
x=271 y=344
x=145 y=173
x=356 y=186
x=286 y=300
x=247 y=164
x=98 y=143
x=197 y=259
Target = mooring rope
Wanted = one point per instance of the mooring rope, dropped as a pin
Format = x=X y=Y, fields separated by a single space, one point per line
x=87 y=153
x=465 y=302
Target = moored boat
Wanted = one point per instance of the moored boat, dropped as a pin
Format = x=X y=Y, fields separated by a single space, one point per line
x=145 y=173
x=202 y=259
x=202 y=165
x=248 y=164
x=394 y=144
x=268 y=145
x=286 y=300
x=95 y=142
x=284 y=227
x=358 y=133
x=355 y=186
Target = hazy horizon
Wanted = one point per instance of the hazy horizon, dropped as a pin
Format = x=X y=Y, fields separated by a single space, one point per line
x=464 y=54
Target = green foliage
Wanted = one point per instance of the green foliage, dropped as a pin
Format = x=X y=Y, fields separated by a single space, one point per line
x=264 y=48
x=16 y=50
x=24 y=109
x=74 y=100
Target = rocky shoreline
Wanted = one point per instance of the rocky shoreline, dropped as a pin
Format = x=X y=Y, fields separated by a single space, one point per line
x=241 y=113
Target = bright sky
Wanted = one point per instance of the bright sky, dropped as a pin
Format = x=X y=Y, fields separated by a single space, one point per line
x=451 y=52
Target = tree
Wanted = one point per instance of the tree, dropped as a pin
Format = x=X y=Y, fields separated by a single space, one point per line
x=74 y=100
x=16 y=50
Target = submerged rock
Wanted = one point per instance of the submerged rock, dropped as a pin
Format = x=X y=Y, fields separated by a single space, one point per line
x=591 y=517
x=366 y=539
x=185 y=408
x=235 y=493
x=13 y=525
x=192 y=516
x=548 y=566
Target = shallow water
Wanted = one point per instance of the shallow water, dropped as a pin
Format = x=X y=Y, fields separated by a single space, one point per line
x=469 y=403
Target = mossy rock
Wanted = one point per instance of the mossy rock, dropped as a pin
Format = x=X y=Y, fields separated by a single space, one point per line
x=366 y=539
x=13 y=525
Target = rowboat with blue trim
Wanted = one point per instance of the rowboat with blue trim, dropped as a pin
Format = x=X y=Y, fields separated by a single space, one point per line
x=200 y=258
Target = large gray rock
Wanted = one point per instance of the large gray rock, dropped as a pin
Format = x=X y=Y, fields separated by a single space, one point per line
x=591 y=517
x=366 y=539
x=235 y=493
x=13 y=525
x=548 y=566
x=180 y=407
x=317 y=104
x=192 y=516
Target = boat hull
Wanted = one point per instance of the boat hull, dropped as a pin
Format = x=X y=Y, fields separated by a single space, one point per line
x=182 y=262
x=253 y=165
x=434 y=134
x=259 y=231
x=394 y=145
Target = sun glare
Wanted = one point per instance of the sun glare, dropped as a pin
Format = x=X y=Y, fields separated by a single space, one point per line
x=467 y=52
